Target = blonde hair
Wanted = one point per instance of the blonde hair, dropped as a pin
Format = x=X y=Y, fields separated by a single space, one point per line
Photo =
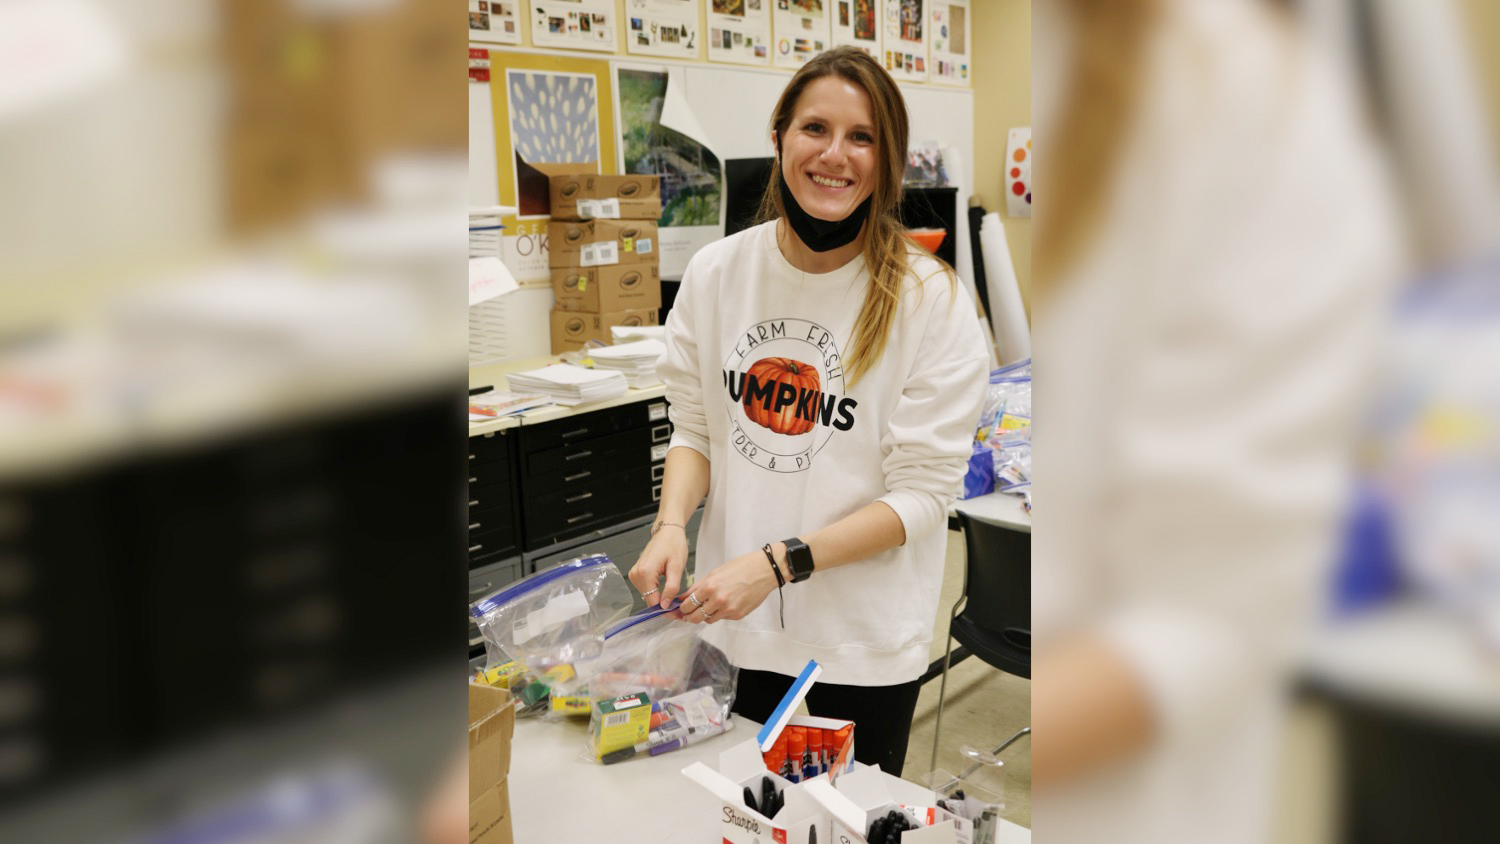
x=1107 y=75
x=887 y=246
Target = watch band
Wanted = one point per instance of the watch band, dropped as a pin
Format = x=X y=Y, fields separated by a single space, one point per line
x=799 y=559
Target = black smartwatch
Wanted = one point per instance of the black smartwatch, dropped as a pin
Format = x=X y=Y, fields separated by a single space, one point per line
x=799 y=559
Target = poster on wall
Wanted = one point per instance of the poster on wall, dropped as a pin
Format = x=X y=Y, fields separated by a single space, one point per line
x=905 y=42
x=1018 y=172
x=800 y=31
x=547 y=110
x=495 y=22
x=662 y=28
x=660 y=135
x=856 y=23
x=948 y=60
x=574 y=24
x=739 y=31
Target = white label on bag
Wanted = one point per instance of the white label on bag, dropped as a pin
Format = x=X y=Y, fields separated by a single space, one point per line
x=600 y=254
x=608 y=209
x=557 y=610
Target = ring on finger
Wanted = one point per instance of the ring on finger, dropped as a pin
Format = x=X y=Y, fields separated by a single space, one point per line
x=692 y=596
x=706 y=613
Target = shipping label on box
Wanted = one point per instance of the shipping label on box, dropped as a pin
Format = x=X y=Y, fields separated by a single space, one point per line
x=601 y=243
x=607 y=289
x=801 y=819
x=576 y=191
x=573 y=329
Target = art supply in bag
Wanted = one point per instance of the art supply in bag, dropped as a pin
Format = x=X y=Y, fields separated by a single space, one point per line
x=620 y=723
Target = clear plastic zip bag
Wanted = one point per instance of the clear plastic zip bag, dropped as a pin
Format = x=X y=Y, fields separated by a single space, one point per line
x=546 y=624
x=655 y=688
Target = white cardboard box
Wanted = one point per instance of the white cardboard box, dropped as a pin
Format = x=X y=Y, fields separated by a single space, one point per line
x=741 y=766
x=865 y=794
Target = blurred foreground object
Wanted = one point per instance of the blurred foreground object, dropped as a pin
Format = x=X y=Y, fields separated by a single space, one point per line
x=1216 y=237
x=1411 y=673
x=231 y=348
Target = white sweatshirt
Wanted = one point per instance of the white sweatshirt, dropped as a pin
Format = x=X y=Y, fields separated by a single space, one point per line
x=793 y=447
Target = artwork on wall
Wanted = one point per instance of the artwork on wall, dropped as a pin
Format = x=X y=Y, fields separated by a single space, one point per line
x=574 y=24
x=800 y=31
x=739 y=31
x=948 y=31
x=1018 y=172
x=905 y=41
x=547 y=110
x=659 y=134
x=662 y=28
x=857 y=23
x=495 y=21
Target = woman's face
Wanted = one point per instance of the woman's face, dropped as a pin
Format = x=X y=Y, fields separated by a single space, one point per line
x=828 y=151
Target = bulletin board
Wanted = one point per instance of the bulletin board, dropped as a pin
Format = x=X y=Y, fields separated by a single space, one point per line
x=577 y=85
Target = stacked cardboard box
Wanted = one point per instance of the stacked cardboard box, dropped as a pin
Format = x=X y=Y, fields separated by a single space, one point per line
x=492 y=720
x=605 y=254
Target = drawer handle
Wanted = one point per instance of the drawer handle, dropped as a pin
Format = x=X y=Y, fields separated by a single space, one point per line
x=658 y=471
x=577 y=476
x=578 y=433
x=661 y=432
x=481 y=590
x=472 y=480
x=579 y=455
x=577 y=498
x=473 y=548
x=473 y=501
x=471 y=455
x=580 y=517
x=475 y=525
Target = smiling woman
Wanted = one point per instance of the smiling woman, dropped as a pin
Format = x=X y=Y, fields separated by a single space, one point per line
x=829 y=371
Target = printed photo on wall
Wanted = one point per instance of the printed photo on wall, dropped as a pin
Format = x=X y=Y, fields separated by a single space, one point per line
x=554 y=119
x=493 y=23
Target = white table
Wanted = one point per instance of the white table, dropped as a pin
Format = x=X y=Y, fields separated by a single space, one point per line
x=997 y=508
x=558 y=794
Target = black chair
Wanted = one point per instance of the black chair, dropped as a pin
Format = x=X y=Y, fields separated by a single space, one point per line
x=992 y=617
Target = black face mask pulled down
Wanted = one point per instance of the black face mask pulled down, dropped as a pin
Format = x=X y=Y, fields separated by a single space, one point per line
x=821 y=235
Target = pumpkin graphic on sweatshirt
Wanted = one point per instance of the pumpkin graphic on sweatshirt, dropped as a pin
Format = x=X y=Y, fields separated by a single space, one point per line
x=774 y=405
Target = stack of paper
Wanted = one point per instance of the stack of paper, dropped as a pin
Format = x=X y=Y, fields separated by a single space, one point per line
x=622 y=333
x=568 y=384
x=636 y=360
x=494 y=404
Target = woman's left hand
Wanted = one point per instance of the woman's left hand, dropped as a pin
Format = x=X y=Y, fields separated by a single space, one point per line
x=730 y=591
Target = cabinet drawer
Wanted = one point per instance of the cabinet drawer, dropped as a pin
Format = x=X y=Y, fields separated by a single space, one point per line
x=494 y=447
x=599 y=423
x=554 y=525
x=489 y=498
x=550 y=469
x=485 y=547
x=587 y=501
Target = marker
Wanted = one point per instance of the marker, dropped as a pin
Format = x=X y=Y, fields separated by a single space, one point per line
x=750 y=800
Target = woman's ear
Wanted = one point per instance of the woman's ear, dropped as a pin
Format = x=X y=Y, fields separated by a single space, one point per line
x=776 y=143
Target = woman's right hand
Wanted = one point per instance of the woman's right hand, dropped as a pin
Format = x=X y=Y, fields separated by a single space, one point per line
x=665 y=557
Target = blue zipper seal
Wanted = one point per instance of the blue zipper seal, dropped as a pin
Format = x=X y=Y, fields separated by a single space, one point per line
x=488 y=605
x=641 y=617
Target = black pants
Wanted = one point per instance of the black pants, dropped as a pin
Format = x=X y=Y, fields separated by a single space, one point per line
x=881 y=714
